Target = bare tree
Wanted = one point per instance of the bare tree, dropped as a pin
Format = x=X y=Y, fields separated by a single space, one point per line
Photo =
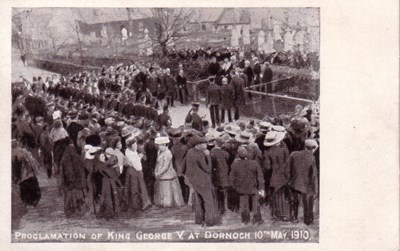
x=170 y=25
x=57 y=44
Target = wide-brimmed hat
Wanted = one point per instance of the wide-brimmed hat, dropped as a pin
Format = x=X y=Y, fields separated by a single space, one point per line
x=278 y=128
x=57 y=115
x=264 y=126
x=120 y=124
x=298 y=126
x=244 y=137
x=90 y=151
x=273 y=138
x=175 y=133
x=161 y=140
x=195 y=140
x=73 y=113
x=232 y=129
x=109 y=121
x=188 y=132
x=311 y=143
x=130 y=131
x=212 y=134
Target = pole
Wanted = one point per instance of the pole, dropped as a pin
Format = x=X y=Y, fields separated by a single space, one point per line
x=279 y=96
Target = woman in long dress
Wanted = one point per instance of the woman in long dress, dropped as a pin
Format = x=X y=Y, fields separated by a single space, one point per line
x=167 y=191
x=128 y=177
x=276 y=156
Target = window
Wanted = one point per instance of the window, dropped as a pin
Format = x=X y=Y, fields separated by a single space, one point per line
x=203 y=27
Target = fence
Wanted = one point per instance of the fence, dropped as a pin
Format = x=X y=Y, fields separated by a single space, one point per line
x=272 y=98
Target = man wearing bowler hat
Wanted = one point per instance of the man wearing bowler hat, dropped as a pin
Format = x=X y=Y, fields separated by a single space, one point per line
x=247 y=179
x=213 y=101
x=304 y=180
x=198 y=172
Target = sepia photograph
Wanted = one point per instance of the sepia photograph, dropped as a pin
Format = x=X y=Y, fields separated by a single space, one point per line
x=165 y=124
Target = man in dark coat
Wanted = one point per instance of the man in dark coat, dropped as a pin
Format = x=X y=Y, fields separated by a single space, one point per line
x=213 y=67
x=169 y=82
x=227 y=99
x=249 y=73
x=164 y=119
x=149 y=164
x=304 y=180
x=238 y=87
x=178 y=151
x=267 y=76
x=213 y=101
x=193 y=118
x=220 y=172
x=256 y=72
x=74 y=128
x=247 y=179
x=198 y=172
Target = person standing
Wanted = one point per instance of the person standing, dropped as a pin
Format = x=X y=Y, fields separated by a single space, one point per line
x=136 y=161
x=267 y=76
x=238 y=87
x=46 y=148
x=304 y=180
x=198 y=172
x=214 y=67
x=164 y=119
x=227 y=100
x=179 y=149
x=149 y=163
x=73 y=182
x=256 y=72
x=167 y=191
x=213 y=101
x=276 y=156
x=220 y=173
x=169 y=82
x=182 y=87
x=247 y=179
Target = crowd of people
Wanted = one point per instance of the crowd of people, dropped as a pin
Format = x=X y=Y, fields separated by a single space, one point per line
x=107 y=138
x=295 y=58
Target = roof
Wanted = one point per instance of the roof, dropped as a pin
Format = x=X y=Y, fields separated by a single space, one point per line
x=234 y=16
x=209 y=15
x=107 y=15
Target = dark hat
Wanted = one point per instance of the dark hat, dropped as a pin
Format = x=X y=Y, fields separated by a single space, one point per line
x=73 y=114
x=175 y=133
x=83 y=116
x=196 y=105
x=195 y=140
x=93 y=140
x=298 y=125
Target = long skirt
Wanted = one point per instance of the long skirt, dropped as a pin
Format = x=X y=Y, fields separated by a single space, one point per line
x=281 y=204
x=30 y=191
x=167 y=193
x=74 y=202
